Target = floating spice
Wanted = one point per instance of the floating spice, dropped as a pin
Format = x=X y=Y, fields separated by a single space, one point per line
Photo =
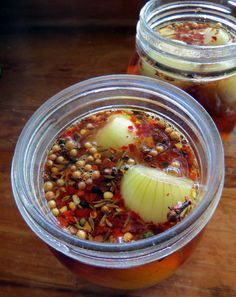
x=197 y=33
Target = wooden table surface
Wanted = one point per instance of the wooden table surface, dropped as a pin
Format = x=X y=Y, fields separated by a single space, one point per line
x=36 y=65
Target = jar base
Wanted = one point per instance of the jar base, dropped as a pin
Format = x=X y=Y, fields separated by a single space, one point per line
x=134 y=278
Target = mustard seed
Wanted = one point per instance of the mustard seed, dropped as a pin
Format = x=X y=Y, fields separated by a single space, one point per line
x=50 y=195
x=80 y=163
x=87 y=167
x=161 y=123
x=81 y=234
x=89 y=181
x=60 y=159
x=153 y=153
x=96 y=174
x=73 y=152
x=82 y=185
x=160 y=148
x=175 y=164
x=175 y=135
x=98 y=161
x=55 y=211
x=69 y=145
x=60 y=182
x=48 y=186
x=168 y=130
x=90 y=159
x=52 y=204
x=83 y=132
x=127 y=237
x=90 y=126
x=87 y=145
x=107 y=195
x=54 y=170
x=92 y=150
x=73 y=168
x=56 y=148
x=76 y=174
x=52 y=157
x=49 y=163
x=130 y=161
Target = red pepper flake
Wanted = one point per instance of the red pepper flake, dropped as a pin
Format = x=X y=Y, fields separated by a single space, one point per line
x=149 y=141
x=100 y=230
x=68 y=133
x=117 y=197
x=117 y=233
x=69 y=175
x=60 y=203
x=91 y=197
x=82 y=212
x=132 y=148
x=93 y=214
x=130 y=128
x=80 y=193
x=193 y=175
x=69 y=216
x=145 y=129
x=71 y=190
x=137 y=227
x=62 y=221
x=135 y=151
x=134 y=215
x=68 y=213
x=133 y=118
x=190 y=155
x=152 y=122
x=118 y=222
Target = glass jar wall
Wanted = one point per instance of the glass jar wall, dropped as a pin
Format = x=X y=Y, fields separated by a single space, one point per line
x=127 y=265
x=191 y=45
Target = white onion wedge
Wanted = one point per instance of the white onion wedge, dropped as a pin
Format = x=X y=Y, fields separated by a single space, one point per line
x=227 y=91
x=149 y=192
x=214 y=36
x=118 y=132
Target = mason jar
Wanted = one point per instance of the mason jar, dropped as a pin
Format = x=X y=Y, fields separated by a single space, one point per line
x=205 y=68
x=130 y=265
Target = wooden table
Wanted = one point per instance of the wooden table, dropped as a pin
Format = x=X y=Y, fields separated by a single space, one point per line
x=36 y=65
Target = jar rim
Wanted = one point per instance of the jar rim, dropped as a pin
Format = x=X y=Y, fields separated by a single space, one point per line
x=190 y=52
x=36 y=220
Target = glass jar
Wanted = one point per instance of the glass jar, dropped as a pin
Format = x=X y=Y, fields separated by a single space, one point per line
x=208 y=73
x=136 y=264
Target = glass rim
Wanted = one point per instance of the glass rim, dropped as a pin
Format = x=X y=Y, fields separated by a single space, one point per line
x=193 y=53
x=108 y=81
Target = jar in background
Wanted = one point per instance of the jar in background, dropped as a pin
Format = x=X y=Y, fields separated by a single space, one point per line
x=207 y=72
x=118 y=265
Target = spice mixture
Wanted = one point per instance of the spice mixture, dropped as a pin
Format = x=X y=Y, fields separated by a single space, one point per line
x=86 y=166
x=197 y=33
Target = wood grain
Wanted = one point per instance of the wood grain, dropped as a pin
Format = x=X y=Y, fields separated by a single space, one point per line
x=36 y=66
